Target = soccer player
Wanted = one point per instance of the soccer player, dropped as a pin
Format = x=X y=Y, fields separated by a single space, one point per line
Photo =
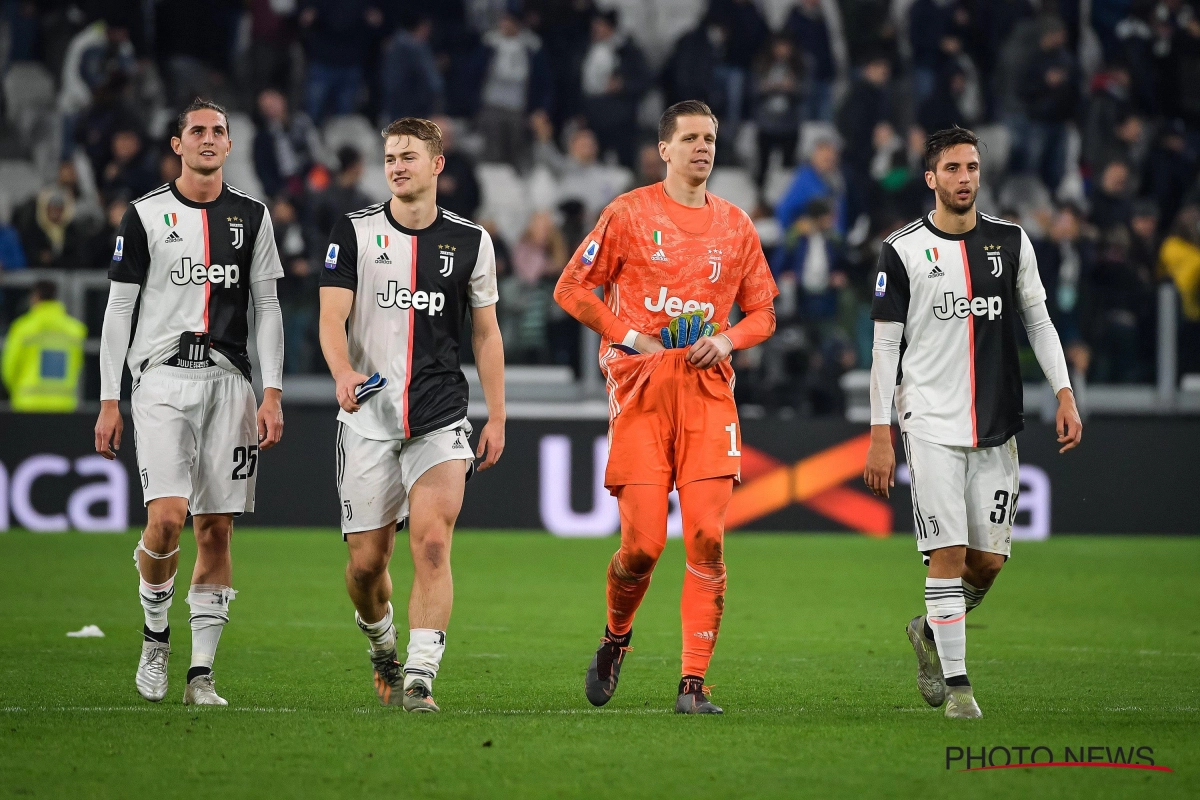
x=664 y=254
x=191 y=256
x=950 y=287
x=399 y=280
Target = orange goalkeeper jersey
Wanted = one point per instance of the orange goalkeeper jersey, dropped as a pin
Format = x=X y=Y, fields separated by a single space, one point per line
x=657 y=259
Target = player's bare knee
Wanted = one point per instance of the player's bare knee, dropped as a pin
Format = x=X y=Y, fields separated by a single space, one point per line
x=982 y=568
x=435 y=552
x=366 y=571
x=947 y=562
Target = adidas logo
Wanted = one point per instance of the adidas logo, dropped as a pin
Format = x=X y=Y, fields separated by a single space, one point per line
x=659 y=256
x=174 y=237
x=458 y=445
x=936 y=272
x=383 y=259
x=708 y=636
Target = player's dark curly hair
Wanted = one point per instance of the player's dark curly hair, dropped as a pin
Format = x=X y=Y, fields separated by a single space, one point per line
x=685 y=108
x=199 y=104
x=940 y=142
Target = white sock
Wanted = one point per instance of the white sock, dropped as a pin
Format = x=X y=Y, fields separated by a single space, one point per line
x=156 y=601
x=425 y=648
x=973 y=595
x=948 y=618
x=210 y=612
x=382 y=634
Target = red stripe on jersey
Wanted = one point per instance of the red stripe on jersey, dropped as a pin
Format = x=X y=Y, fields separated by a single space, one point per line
x=412 y=316
x=207 y=284
x=970 y=343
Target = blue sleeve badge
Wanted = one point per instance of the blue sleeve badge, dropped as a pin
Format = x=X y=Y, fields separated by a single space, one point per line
x=119 y=252
x=589 y=255
x=331 y=257
x=881 y=285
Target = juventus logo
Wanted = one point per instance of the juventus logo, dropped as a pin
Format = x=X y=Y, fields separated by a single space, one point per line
x=936 y=528
x=347 y=510
x=714 y=260
x=235 y=228
x=446 y=253
x=997 y=264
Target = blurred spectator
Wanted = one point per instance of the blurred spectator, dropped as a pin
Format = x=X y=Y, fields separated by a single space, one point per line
x=651 y=167
x=819 y=178
x=297 y=289
x=1109 y=111
x=108 y=113
x=1066 y=261
x=50 y=234
x=516 y=83
x=898 y=190
x=1171 y=169
x=699 y=69
x=1049 y=89
x=284 y=144
x=458 y=189
x=746 y=34
x=101 y=243
x=272 y=37
x=778 y=96
x=99 y=57
x=127 y=172
x=941 y=108
x=580 y=175
x=867 y=107
x=43 y=355
x=335 y=34
x=930 y=25
x=1122 y=311
x=342 y=196
x=527 y=294
x=409 y=78
x=811 y=261
x=170 y=167
x=12 y=254
x=809 y=30
x=614 y=78
x=1180 y=260
x=1111 y=201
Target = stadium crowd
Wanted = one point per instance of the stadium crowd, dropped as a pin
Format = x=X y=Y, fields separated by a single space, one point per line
x=1089 y=111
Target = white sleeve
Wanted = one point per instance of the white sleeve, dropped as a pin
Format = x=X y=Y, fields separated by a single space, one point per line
x=481 y=291
x=114 y=336
x=885 y=364
x=264 y=263
x=268 y=331
x=1030 y=291
x=1046 y=345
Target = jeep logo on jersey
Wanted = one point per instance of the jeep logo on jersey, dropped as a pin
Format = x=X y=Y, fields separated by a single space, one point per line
x=960 y=307
x=674 y=306
x=187 y=272
x=393 y=295
x=235 y=228
x=446 y=253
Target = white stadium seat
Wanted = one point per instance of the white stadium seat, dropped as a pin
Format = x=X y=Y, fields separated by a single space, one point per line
x=358 y=132
x=735 y=185
x=19 y=181
x=239 y=169
x=505 y=199
x=29 y=96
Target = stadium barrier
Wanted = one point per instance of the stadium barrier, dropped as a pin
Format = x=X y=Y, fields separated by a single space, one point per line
x=1129 y=476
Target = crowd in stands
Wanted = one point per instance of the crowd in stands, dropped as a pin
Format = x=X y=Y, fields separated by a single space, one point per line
x=1089 y=111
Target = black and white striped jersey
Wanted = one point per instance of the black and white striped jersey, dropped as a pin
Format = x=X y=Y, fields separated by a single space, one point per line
x=195 y=263
x=959 y=297
x=412 y=291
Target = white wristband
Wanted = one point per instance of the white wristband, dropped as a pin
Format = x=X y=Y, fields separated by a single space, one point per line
x=630 y=338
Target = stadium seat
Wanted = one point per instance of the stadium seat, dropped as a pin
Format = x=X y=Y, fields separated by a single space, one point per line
x=239 y=167
x=19 y=181
x=29 y=97
x=997 y=141
x=779 y=179
x=735 y=185
x=506 y=200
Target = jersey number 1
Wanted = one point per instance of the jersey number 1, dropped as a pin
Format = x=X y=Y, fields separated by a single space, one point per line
x=733 y=448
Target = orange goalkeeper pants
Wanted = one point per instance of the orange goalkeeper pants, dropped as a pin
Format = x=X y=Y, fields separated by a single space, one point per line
x=643 y=537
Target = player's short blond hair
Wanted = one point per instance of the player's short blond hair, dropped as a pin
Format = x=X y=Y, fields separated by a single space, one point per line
x=423 y=129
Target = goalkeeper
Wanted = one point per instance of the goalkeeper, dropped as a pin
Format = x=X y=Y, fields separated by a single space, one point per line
x=673 y=259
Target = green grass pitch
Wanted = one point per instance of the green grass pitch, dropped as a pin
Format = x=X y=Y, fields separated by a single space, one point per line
x=1085 y=641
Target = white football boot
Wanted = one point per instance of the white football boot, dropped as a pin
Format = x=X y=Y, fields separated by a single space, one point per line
x=201 y=692
x=151 y=676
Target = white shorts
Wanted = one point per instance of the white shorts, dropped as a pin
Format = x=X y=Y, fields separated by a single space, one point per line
x=963 y=495
x=196 y=434
x=375 y=476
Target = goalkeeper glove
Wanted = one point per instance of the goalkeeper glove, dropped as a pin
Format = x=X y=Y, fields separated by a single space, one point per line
x=686 y=329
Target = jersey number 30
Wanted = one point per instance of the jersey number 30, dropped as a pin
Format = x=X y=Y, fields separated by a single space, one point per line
x=245 y=459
